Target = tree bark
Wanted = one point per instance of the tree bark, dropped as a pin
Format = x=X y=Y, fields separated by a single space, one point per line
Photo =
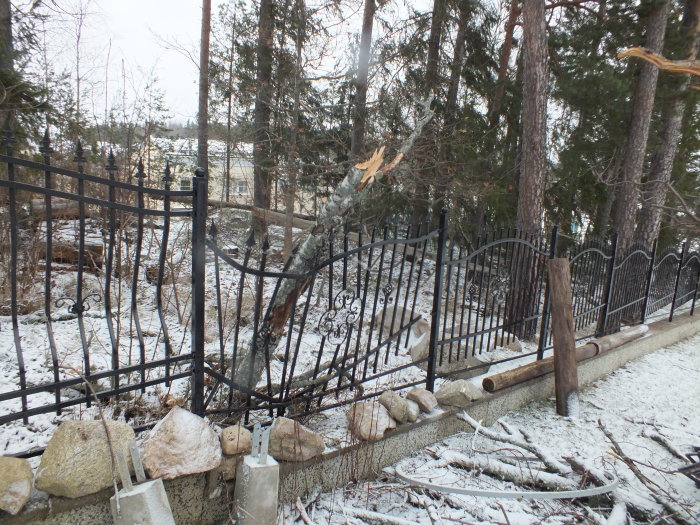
x=429 y=172
x=523 y=300
x=7 y=67
x=534 y=118
x=662 y=162
x=360 y=109
x=642 y=106
x=229 y=112
x=503 y=64
x=203 y=111
x=290 y=192
x=448 y=132
x=262 y=148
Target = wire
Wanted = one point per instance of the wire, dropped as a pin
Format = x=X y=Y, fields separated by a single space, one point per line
x=511 y=494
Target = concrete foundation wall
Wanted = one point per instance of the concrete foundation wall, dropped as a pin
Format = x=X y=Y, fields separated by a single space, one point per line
x=198 y=500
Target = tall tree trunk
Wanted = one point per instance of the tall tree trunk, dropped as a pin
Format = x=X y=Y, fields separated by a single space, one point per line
x=262 y=154
x=203 y=111
x=534 y=118
x=7 y=52
x=360 y=109
x=642 y=106
x=229 y=111
x=662 y=162
x=448 y=131
x=427 y=185
x=289 y=196
x=503 y=64
x=523 y=300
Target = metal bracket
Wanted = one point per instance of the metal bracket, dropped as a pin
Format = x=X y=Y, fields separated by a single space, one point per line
x=261 y=443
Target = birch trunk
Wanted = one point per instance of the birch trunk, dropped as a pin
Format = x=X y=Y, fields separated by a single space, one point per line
x=360 y=110
x=251 y=364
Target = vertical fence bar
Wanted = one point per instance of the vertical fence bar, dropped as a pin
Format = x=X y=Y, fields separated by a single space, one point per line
x=46 y=151
x=199 y=228
x=140 y=204
x=695 y=294
x=437 y=295
x=603 y=319
x=678 y=279
x=650 y=277
x=167 y=179
x=9 y=140
x=541 y=345
x=111 y=168
x=79 y=306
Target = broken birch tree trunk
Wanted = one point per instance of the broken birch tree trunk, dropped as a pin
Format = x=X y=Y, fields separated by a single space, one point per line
x=251 y=364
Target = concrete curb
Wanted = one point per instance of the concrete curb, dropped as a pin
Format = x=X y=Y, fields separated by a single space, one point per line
x=365 y=461
x=194 y=502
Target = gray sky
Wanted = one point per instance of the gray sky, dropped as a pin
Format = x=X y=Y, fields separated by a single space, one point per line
x=136 y=34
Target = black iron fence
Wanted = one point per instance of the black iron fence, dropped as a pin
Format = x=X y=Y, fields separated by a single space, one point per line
x=136 y=295
x=83 y=255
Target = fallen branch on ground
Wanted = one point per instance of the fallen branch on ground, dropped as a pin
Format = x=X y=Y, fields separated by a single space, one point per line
x=660 y=495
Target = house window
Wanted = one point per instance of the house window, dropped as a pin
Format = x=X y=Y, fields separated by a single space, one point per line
x=242 y=187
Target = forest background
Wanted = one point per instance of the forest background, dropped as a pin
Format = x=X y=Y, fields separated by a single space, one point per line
x=537 y=122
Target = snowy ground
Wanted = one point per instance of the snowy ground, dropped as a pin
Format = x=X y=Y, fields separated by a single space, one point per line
x=651 y=400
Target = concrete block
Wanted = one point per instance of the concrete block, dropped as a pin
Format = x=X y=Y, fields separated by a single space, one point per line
x=145 y=504
x=256 y=492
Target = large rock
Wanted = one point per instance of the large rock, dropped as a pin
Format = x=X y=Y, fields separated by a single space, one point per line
x=396 y=405
x=458 y=393
x=368 y=420
x=393 y=318
x=180 y=444
x=419 y=352
x=15 y=484
x=420 y=327
x=425 y=399
x=292 y=441
x=413 y=410
x=77 y=460
x=236 y=440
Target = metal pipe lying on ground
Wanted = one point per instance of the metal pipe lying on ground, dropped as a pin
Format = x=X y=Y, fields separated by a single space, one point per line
x=544 y=366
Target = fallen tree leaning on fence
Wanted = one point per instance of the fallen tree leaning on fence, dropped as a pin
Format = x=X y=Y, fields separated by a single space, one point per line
x=250 y=365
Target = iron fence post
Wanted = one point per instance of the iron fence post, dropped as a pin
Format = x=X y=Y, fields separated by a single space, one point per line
x=678 y=279
x=650 y=276
x=603 y=319
x=545 y=307
x=695 y=294
x=199 y=228
x=437 y=296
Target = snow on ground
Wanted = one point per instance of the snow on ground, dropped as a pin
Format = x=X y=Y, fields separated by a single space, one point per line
x=656 y=395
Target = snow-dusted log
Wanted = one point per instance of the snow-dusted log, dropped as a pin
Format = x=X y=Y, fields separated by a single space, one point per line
x=347 y=194
x=516 y=474
x=552 y=464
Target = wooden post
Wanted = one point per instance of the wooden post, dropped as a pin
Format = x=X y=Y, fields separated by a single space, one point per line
x=565 y=366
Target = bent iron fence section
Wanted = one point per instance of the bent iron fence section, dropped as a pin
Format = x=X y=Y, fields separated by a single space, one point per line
x=165 y=302
x=75 y=259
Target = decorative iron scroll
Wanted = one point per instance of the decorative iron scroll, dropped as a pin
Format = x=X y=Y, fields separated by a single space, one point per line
x=386 y=290
x=74 y=307
x=500 y=286
x=336 y=323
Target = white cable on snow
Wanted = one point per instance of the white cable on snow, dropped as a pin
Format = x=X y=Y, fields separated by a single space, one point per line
x=511 y=494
